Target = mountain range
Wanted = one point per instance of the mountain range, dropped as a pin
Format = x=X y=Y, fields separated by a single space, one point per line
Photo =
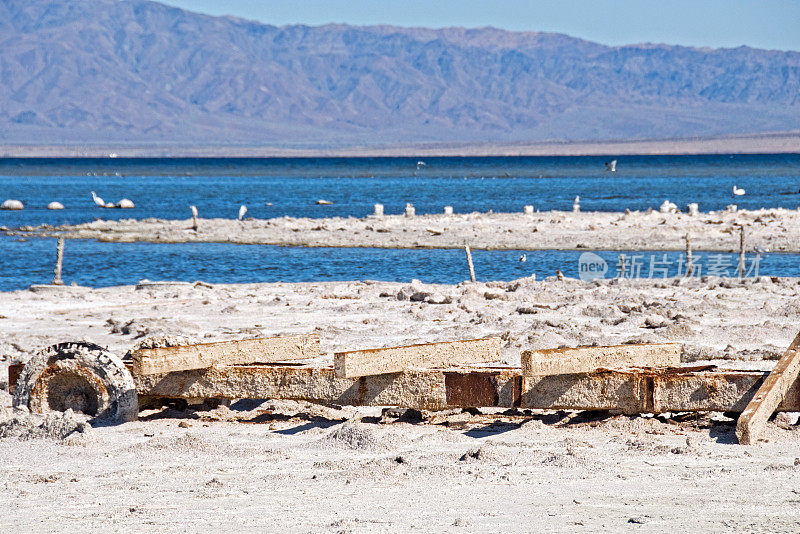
x=134 y=71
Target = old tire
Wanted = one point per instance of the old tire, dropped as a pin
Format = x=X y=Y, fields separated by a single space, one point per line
x=80 y=376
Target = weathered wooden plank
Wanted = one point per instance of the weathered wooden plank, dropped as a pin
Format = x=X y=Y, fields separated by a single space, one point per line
x=754 y=418
x=588 y=359
x=624 y=391
x=425 y=390
x=356 y=363
x=245 y=351
x=633 y=392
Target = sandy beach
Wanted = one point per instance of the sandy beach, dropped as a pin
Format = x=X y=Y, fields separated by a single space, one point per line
x=298 y=466
x=775 y=230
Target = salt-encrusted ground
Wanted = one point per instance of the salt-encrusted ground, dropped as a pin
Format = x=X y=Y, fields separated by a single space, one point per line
x=299 y=467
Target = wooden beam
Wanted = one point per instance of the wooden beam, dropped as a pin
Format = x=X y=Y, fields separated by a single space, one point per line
x=645 y=391
x=205 y=355
x=356 y=363
x=424 y=390
x=588 y=359
x=754 y=418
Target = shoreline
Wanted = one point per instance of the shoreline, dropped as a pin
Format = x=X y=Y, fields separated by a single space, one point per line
x=763 y=143
x=770 y=230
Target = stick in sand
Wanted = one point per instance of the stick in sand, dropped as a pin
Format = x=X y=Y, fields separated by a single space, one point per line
x=59 y=261
x=469 y=262
x=741 y=267
x=689 y=262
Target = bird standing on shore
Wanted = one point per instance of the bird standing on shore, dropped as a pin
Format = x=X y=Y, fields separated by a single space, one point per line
x=99 y=202
x=738 y=191
x=242 y=211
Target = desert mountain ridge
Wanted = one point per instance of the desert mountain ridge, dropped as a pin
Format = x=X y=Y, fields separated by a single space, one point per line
x=135 y=71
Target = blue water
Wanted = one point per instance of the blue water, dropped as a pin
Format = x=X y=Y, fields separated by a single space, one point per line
x=165 y=188
x=97 y=264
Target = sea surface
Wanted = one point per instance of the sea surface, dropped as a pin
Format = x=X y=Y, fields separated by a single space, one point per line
x=277 y=187
x=97 y=264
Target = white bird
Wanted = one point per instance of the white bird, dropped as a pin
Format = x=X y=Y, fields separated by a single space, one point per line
x=194 y=217
x=738 y=191
x=523 y=258
x=242 y=211
x=126 y=204
x=611 y=166
x=12 y=205
x=55 y=206
x=421 y=163
x=98 y=201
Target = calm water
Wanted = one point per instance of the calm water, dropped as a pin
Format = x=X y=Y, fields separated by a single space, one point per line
x=98 y=264
x=165 y=188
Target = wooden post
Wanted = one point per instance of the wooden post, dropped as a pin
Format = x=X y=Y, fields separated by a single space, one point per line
x=194 y=217
x=755 y=416
x=689 y=262
x=741 y=267
x=469 y=262
x=59 y=261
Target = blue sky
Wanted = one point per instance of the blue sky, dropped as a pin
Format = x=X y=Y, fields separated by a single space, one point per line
x=773 y=24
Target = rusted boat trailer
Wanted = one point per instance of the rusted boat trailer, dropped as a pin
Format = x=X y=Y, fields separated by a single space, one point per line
x=629 y=379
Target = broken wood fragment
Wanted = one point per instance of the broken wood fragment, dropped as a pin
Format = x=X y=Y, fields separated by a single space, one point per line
x=774 y=389
x=588 y=359
x=356 y=363
x=205 y=355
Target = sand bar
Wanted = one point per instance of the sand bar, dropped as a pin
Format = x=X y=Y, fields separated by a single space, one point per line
x=775 y=230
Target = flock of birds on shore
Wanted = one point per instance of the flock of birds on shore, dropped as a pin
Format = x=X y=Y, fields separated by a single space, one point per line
x=125 y=203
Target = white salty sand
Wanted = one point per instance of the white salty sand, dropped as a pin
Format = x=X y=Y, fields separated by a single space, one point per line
x=315 y=469
x=776 y=230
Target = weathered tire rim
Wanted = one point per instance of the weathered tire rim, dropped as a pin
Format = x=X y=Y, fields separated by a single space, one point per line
x=80 y=376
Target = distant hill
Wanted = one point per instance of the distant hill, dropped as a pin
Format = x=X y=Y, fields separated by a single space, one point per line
x=99 y=71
